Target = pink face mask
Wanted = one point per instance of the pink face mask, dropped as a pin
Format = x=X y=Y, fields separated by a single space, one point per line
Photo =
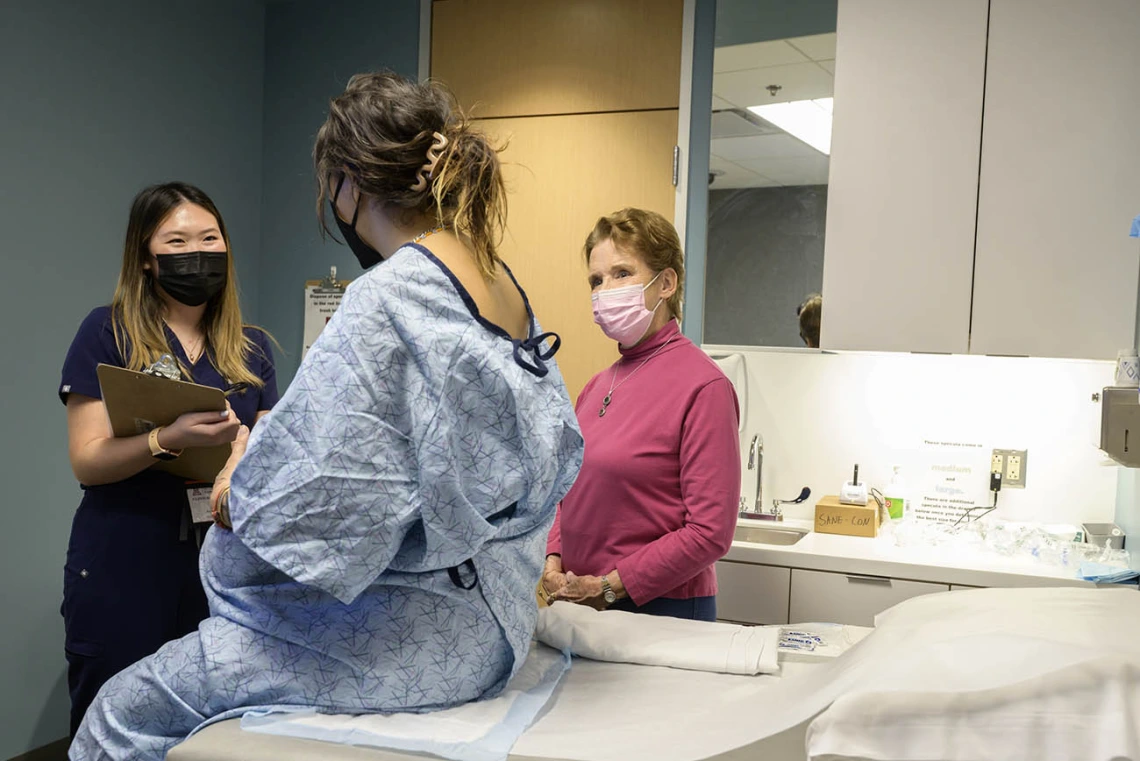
x=621 y=312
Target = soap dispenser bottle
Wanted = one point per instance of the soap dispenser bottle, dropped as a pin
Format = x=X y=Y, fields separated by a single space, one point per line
x=896 y=496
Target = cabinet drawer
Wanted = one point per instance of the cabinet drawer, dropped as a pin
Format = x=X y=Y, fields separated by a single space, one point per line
x=849 y=598
x=752 y=594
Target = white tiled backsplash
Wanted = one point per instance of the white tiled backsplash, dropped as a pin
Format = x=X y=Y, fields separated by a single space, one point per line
x=820 y=413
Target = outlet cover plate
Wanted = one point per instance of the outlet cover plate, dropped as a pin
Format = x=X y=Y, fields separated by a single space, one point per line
x=1013 y=467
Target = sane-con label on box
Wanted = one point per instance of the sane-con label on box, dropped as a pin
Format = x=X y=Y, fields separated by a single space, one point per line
x=833 y=517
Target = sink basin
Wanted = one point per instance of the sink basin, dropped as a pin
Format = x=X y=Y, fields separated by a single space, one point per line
x=783 y=536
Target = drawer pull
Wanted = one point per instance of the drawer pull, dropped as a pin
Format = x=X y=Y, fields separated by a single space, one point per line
x=855 y=578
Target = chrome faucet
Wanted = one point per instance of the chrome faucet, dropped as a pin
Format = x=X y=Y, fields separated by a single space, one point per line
x=756 y=463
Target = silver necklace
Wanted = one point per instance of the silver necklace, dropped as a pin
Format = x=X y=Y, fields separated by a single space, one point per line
x=614 y=385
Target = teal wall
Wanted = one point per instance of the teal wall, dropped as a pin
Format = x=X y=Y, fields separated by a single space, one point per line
x=741 y=21
x=697 y=204
x=97 y=100
x=311 y=49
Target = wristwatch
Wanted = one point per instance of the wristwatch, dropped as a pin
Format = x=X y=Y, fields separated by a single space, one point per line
x=157 y=451
x=608 y=592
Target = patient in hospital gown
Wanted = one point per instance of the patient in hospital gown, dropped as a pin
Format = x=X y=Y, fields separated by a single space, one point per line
x=389 y=519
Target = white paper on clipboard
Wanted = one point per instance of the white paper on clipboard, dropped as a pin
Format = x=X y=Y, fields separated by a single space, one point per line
x=322 y=298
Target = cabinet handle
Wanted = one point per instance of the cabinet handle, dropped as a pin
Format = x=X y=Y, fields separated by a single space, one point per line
x=856 y=578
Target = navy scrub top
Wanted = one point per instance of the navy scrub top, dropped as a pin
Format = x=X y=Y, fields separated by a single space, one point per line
x=95 y=344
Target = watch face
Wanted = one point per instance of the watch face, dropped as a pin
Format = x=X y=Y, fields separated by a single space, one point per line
x=609 y=596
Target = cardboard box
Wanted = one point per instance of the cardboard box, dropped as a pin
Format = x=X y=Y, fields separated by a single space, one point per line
x=832 y=517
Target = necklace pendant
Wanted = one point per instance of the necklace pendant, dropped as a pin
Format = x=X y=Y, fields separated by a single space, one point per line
x=605 y=404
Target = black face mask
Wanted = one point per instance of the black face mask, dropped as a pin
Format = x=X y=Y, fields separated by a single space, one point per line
x=193 y=278
x=365 y=254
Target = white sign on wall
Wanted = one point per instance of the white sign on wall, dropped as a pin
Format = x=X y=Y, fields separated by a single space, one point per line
x=954 y=479
x=322 y=298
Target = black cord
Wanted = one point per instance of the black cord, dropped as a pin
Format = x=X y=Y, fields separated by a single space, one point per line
x=968 y=512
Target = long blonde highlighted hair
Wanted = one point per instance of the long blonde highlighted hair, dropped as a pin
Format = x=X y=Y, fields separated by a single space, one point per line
x=137 y=308
x=379 y=132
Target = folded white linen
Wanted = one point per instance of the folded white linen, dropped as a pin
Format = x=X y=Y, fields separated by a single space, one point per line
x=621 y=637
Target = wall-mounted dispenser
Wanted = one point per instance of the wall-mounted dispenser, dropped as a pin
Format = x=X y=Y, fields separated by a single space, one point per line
x=1120 y=425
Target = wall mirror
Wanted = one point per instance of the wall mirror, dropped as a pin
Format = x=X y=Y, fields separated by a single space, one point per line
x=772 y=84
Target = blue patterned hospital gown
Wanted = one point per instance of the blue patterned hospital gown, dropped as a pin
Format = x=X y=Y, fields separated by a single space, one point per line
x=389 y=517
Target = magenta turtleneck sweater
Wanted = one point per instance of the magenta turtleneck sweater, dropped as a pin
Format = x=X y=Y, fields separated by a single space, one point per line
x=659 y=489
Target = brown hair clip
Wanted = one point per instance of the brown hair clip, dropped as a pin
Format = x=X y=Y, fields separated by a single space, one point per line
x=425 y=172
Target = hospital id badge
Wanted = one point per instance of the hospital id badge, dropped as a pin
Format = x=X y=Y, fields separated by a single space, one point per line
x=199 y=499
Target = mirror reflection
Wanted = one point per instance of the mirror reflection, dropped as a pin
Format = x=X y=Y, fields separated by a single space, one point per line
x=769 y=160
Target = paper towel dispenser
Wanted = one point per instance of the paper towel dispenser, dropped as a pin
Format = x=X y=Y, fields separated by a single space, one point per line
x=1120 y=424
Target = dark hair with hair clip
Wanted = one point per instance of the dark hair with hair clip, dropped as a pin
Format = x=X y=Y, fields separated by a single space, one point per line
x=380 y=131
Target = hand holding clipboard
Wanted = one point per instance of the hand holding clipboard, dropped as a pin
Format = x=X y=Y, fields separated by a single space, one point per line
x=137 y=403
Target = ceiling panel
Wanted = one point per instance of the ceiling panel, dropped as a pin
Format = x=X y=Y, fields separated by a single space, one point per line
x=735 y=176
x=801 y=81
x=763 y=146
x=755 y=55
x=791 y=171
x=733 y=182
x=818 y=47
x=737 y=123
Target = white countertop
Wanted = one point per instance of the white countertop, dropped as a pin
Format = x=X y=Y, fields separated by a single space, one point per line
x=881 y=557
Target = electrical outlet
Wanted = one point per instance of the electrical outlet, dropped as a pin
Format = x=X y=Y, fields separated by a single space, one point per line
x=1013 y=470
x=997 y=464
x=1012 y=463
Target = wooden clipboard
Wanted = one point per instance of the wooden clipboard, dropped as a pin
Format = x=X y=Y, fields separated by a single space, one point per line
x=137 y=402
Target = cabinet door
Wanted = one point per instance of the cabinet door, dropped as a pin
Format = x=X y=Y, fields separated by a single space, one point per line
x=1060 y=178
x=562 y=173
x=752 y=594
x=525 y=58
x=902 y=198
x=837 y=598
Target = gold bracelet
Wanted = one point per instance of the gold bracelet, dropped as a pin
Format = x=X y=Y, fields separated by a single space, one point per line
x=220 y=510
x=158 y=451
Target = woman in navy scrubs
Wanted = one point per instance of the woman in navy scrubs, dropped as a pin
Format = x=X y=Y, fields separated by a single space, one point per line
x=131 y=577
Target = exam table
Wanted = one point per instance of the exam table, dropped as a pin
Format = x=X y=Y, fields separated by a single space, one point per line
x=576 y=720
x=982 y=675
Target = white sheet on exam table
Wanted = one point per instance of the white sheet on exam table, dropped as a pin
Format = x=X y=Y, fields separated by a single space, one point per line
x=581 y=722
x=1086 y=712
x=987 y=639
x=957 y=642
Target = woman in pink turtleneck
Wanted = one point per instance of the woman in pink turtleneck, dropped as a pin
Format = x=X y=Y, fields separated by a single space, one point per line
x=655 y=503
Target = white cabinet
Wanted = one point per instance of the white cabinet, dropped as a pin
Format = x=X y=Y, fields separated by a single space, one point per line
x=1056 y=271
x=899 y=243
x=752 y=594
x=838 y=598
x=984 y=174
